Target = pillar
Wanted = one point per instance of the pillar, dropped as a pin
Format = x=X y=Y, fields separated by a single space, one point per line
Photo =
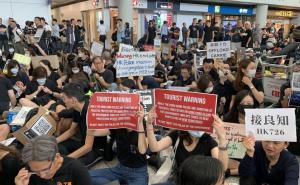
x=126 y=11
x=261 y=15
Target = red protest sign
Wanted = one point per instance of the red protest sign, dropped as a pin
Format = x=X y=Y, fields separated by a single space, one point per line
x=113 y=110
x=185 y=110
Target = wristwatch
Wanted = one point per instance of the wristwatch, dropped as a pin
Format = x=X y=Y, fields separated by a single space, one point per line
x=251 y=87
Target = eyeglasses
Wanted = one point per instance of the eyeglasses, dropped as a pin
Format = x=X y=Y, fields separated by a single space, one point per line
x=46 y=170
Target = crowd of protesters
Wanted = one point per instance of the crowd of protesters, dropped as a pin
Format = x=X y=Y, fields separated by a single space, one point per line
x=68 y=157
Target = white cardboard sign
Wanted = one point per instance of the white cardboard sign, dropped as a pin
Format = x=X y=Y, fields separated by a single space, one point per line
x=296 y=82
x=135 y=64
x=218 y=49
x=271 y=124
x=125 y=48
x=97 y=49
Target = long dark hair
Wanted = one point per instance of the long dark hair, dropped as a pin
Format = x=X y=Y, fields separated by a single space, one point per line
x=203 y=82
x=242 y=65
x=200 y=170
x=233 y=115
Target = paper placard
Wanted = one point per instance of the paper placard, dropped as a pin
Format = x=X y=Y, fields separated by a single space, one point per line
x=235 y=134
x=218 y=49
x=135 y=64
x=272 y=88
x=125 y=48
x=147 y=98
x=53 y=59
x=20 y=118
x=97 y=48
x=113 y=110
x=157 y=43
x=185 y=110
x=271 y=124
x=22 y=59
x=7 y=142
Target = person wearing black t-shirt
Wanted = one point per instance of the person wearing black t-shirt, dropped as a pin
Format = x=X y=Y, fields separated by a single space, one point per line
x=131 y=153
x=208 y=35
x=3 y=37
x=51 y=74
x=193 y=32
x=245 y=80
x=247 y=37
x=102 y=79
x=189 y=143
x=87 y=149
x=7 y=95
x=46 y=166
x=41 y=91
x=151 y=33
x=208 y=68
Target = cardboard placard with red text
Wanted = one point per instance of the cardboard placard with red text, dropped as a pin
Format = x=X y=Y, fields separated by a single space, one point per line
x=113 y=110
x=185 y=110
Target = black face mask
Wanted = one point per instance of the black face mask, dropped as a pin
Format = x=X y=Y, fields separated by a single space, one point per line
x=241 y=108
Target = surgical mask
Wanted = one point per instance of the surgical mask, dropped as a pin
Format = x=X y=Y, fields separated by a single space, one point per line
x=221 y=73
x=14 y=71
x=209 y=89
x=11 y=50
x=241 y=108
x=41 y=81
x=251 y=73
x=75 y=71
x=196 y=134
x=182 y=61
x=80 y=55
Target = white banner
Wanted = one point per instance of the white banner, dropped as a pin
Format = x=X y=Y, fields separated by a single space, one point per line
x=135 y=64
x=125 y=48
x=271 y=124
x=218 y=49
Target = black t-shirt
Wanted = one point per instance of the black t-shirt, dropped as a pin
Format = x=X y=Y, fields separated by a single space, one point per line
x=193 y=31
x=248 y=33
x=71 y=172
x=22 y=77
x=204 y=146
x=175 y=33
x=10 y=165
x=80 y=119
x=151 y=33
x=54 y=77
x=236 y=37
x=108 y=76
x=5 y=85
x=160 y=72
x=34 y=86
x=111 y=67
x=127 y=148
x=3 y=35
x=213 y=74
x=226 y=90
x=208 y=33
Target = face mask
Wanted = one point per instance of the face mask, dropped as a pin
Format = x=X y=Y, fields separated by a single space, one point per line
x=241 y=108
x=11 y=50
x=209 y=89
x=80 y=55
x=41 y=81
x=196 y=134
x=75 y=71
x=14 y=71
x=251 y=73
x=182 y=61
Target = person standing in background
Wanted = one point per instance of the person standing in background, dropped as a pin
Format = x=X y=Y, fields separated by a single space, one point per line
x=281 y=33
x=102 y=32
x=184 y=31
x=3 y=37
x=193 y=32
x=165 y=33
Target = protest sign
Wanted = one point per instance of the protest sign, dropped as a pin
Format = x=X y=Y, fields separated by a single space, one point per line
x=296 y=82
x=166 y=49
x=157 y=43
x=97 y=48
x=40 y=124
x=234 y=135
x=272 y=88
x=199 y=56
x=22 y=59
x=135 y=64
x=113 y=110
x=185 y=110
x=53 y=59
x=125 y=48
x=218 y=49
x=178 y=88
x=271 y=124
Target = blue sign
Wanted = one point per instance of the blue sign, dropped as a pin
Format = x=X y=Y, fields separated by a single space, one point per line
x=230 y=10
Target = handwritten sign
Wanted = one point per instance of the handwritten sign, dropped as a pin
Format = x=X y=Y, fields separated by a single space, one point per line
x=185 y=110
x=234 y=135
x=22 y=59
x=271 y=124
x=157 y=43
x=218 y=49
x=272 y=88
x=113 y=110
x=125 y=48
x=296 y=82
x=135 y=64
x=97 y=48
